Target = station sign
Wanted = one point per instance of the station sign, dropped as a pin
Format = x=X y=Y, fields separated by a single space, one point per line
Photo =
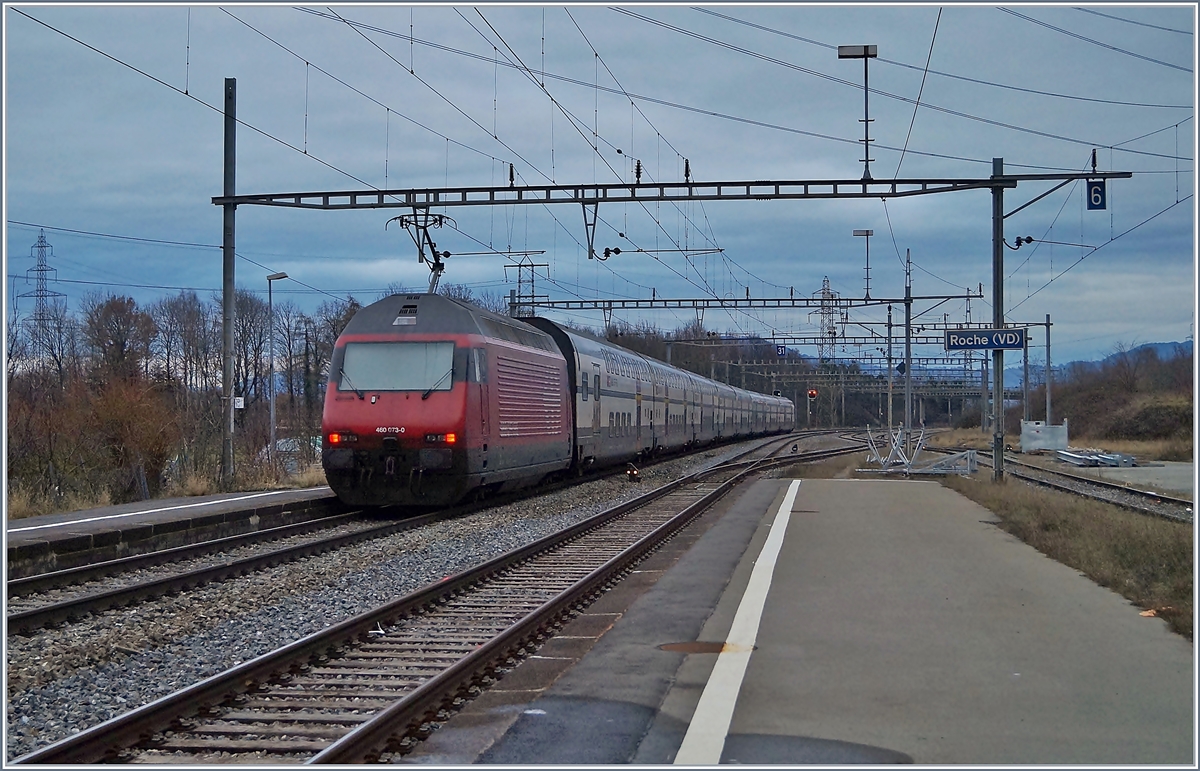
x=985 y=339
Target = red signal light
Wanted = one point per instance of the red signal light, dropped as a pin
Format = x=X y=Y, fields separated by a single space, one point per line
x=812 y=393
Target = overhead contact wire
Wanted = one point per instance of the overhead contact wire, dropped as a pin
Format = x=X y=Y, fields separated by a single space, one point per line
x=824 y=76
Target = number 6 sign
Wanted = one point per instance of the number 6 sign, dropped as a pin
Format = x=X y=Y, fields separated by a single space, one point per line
x=1096 y=194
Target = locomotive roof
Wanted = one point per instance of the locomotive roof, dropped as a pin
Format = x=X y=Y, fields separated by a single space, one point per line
x=435 y=313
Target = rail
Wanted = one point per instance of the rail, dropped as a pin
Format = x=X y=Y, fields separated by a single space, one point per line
x=325 y=662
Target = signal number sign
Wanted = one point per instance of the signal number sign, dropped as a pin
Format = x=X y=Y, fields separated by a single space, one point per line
x=1097 y=196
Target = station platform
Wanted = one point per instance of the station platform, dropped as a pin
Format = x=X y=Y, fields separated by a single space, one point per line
x=1172 y=476
x=69 y=539
x=881 y=621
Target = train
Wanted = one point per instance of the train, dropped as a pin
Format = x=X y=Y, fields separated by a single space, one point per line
x=431 y=400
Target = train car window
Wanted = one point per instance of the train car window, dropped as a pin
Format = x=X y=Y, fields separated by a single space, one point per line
x=610 y=424
x=397 y=367
x=584 y=387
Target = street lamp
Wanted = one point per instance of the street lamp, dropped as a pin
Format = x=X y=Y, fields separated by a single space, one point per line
x=865 y=53
x=867 y=234
x=271 y=279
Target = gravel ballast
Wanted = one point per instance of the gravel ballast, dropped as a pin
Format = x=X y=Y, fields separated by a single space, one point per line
x=66 y=679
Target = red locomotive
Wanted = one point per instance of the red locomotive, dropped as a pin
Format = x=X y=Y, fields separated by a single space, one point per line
x=430 y=399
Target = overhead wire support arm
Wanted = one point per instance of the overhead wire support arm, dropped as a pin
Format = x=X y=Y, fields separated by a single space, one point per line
x=594 y=194
x=706 y=303
x=1064 y=180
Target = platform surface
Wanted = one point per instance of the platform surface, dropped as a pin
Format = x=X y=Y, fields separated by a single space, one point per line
x=900 y=625
x=66 y=539
x=1164 y=475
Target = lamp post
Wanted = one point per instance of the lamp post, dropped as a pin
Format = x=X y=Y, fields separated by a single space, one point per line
x=865 y=53
x=867 y=235
x=271 y=279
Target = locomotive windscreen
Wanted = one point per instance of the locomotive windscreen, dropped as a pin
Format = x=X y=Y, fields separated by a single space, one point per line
x=397 y=367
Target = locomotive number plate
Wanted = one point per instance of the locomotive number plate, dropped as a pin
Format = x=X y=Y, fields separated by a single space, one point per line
x=390 y=430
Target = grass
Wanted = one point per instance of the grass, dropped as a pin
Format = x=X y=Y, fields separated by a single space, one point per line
x=1148 y=561
x=972 y=438
x=841 y=467
x=1148 y=449
x=1143 y=449
x=311 y=477
x=21 y=503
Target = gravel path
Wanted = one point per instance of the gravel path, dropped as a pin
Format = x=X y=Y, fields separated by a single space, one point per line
x=63 y=680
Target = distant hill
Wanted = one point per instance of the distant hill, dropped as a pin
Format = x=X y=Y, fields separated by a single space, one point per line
x=1164 y=350
x=1012 y=375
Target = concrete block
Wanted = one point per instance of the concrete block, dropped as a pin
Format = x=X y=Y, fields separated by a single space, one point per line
x=1037 y=435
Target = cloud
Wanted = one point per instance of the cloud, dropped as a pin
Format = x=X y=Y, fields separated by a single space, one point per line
x=93 y=145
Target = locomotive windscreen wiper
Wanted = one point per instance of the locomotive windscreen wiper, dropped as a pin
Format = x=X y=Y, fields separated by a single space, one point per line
x=440 y=380
x=350 y=383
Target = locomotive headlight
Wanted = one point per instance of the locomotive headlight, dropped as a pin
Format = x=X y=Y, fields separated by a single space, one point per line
x=342 y=437
x=451 y=438
x=439 y=438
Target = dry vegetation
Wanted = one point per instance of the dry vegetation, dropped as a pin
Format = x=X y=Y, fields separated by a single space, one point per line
x=21 y=504
x=1173 y=449
x=972 y=438
x=1149 y=561
x=841 y=467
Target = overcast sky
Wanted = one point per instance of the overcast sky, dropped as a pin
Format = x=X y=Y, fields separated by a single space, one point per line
x=101 y=137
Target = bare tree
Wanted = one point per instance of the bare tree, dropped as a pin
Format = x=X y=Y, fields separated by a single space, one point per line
x=251 y=331
x=16 y=346
x=1128 y=365
x=395 y=287
x=118 y=333
x=493 y=301
x=321 y=332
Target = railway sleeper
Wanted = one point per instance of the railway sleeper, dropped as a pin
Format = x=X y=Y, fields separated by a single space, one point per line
x=367 y=704
x=266 y=716
x=382 y=670
x=398 y=656
x=326 y=731
x=400 y=685
x=241 y=746
x=324 y=697
x=384 y=648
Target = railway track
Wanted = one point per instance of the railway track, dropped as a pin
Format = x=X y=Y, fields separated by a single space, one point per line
x=43 y=600
x=61 y=579
x=130 y=588
x=1142 y=501
x=371 y=686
